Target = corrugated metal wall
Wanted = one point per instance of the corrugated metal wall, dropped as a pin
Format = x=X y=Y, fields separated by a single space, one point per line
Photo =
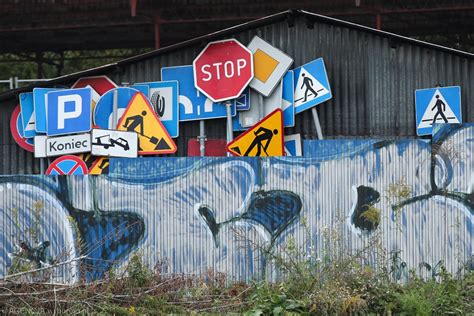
x=373 y=77
x=191 y=214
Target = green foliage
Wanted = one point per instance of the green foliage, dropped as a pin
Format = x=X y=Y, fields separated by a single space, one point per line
x=372 y=214
x=25 y=66
x=138 y=274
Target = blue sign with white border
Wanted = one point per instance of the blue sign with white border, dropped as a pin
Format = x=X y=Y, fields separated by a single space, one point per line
x=242 y=103
x=105 y=106
x=437 y=105
x=164 y=98
x=28 y=114
x=142 y=88
x=293 y=145
x=311 y=85
x=288 y=105
x=39 y=101
x=193 y=104
x=69 y=111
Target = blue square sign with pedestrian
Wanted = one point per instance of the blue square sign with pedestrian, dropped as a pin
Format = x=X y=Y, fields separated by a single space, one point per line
x=69 y=111
x=311 y=85
x=437 y=105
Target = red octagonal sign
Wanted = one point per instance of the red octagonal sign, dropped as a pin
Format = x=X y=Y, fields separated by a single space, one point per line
x=223 y=69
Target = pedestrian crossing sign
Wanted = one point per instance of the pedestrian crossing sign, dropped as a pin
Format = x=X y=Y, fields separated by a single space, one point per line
x=139 y=117
x=311 y=85
x=263 y=139
x=437 y=105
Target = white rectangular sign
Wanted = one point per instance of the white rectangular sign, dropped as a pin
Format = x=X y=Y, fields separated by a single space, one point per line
x=40 y=146
x=114 y=143
x=71 y=144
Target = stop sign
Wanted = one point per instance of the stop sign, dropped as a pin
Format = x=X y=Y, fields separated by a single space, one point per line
x=223 y=69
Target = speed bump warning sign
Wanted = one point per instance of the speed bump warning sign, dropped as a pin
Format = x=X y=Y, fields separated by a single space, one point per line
x=263 y=139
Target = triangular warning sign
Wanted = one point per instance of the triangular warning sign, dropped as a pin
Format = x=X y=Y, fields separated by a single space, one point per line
x=139 y=117
x=438 y=107
x=308 y=88
x=100 y=166
x=263 y=139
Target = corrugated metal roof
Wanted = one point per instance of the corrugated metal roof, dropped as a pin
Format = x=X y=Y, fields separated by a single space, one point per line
x=290 y=16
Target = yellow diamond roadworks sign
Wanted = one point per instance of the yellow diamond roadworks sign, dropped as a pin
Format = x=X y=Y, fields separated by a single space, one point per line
x=139 y=117
x=263 y=139
x=270 y=65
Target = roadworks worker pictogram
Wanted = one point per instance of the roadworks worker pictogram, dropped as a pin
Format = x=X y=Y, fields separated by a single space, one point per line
x=263 y=139
x=139 y=117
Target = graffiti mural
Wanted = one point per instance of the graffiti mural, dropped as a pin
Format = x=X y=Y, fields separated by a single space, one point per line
x=192 y=214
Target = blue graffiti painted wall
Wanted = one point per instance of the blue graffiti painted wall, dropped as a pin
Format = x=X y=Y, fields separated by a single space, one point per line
x=187 y=215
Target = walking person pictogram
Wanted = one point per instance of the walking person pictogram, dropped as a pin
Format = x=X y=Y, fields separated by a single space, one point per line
x=261 y=135
x=308 y=83
x=440 y=107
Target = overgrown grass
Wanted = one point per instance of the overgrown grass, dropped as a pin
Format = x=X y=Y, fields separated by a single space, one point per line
x=337 y=283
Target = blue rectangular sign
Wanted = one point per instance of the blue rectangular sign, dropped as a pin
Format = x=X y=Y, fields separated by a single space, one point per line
x=288 y=104
x=69 y=111
x=164 y=98
x=437 y=105
x=39 y=100
x=193 y=104
x=28 y=114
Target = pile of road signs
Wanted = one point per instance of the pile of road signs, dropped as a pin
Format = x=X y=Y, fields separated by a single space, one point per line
x=108 y=122
x=252 y=86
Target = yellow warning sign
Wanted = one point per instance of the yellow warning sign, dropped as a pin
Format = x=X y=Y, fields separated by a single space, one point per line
x=139 y=117
x=263 y=65
x=263 y=139
x=100 y=166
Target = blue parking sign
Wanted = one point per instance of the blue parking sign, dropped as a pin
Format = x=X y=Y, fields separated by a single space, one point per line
x=69 y=111
x=437 y=105
x=311 y=85
x=193 y=104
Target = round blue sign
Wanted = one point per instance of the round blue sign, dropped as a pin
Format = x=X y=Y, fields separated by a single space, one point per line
x=104 y=107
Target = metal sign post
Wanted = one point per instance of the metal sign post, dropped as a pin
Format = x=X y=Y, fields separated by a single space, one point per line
x=317 y=124
x=114 y=108
x=230 y=135
x=202 y=138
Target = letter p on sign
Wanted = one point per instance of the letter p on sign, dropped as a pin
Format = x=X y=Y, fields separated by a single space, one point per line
x=63 y=115
x=69 y=111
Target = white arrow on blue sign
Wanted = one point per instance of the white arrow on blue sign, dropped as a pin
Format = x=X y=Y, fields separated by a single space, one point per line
x=311 y=85
x=437 y=105
x=288 y=104
x=164 y=97
x=193 y=104
x=69 y=111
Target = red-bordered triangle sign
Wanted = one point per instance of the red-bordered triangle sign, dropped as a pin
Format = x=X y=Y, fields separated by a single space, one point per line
x=263 y=139
x=139 y=117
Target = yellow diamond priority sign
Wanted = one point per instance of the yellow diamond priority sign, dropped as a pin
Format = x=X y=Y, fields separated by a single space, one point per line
x=270 y=65
x=263 y=139
x=139 y=117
